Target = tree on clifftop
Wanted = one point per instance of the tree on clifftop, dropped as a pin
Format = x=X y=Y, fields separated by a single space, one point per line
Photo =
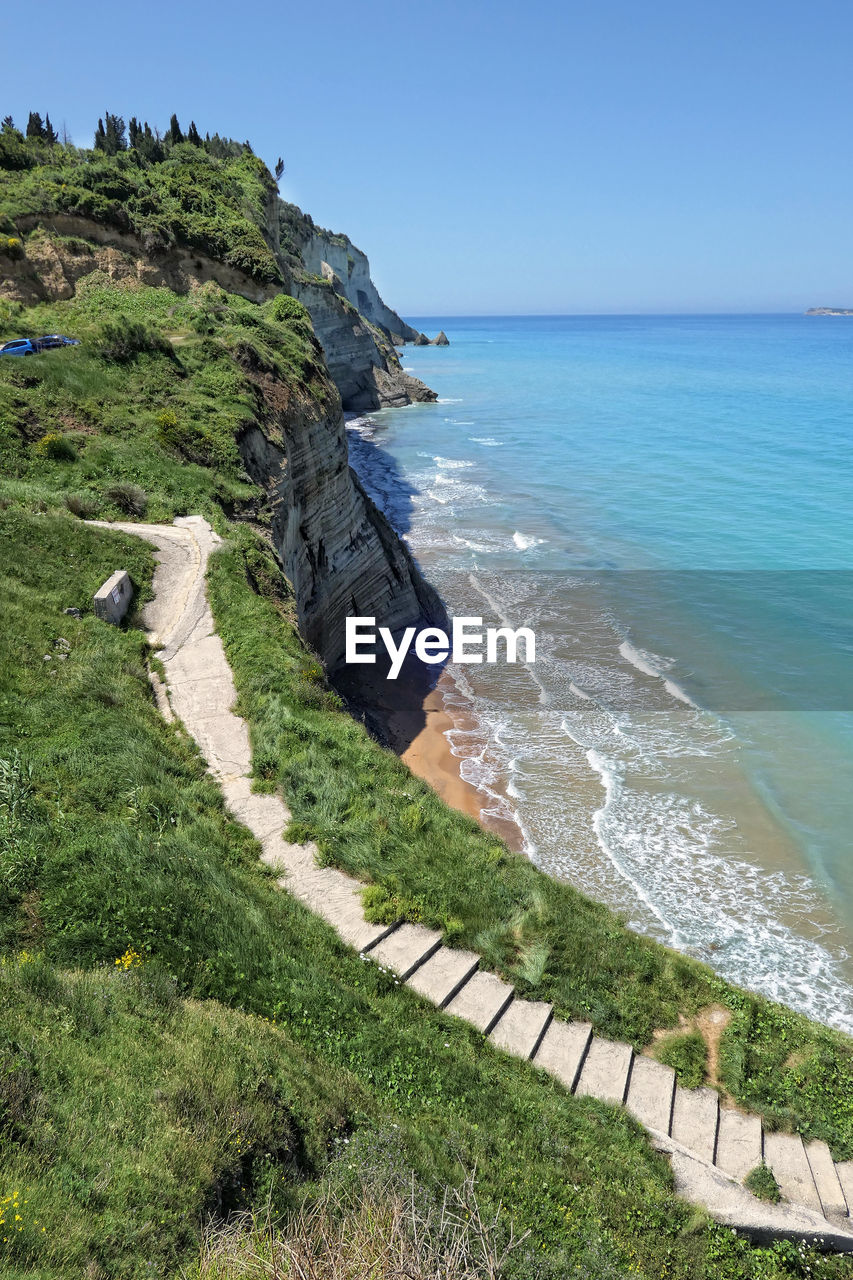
x=110 y=138
x=193 y=135
x=35 y=126
x=174 y=135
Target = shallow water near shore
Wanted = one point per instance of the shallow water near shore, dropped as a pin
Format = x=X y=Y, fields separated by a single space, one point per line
x=667 y=501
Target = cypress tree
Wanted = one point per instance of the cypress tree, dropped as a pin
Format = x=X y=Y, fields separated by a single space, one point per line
x=174 y=135
x=134 y=132
x=114 y=137
x=8 y=124
x=193 y=135
x=35 y=127
x=50 y=133
x=100 y=137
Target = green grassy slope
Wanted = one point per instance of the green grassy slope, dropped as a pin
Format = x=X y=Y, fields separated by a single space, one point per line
x=428 y=863
x=221 y=1069
x=236 y=1058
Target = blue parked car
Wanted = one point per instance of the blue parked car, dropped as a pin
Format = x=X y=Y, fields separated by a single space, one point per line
x=56 y=340
x=32 y=346
x=19 y=347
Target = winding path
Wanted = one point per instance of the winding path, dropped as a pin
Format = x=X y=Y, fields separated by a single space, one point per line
x=711 y=1148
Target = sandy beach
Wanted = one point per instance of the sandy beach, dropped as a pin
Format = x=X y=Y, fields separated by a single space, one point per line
x=409 y=715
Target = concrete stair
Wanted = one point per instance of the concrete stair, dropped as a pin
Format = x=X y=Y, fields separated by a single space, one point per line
x=711 y=1148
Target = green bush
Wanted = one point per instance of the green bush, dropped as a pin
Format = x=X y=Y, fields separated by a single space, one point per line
x=56 y=447
x=81 y=505
x=129 y=498
x=283 y=309
x=687 y=1055
x=123 y=341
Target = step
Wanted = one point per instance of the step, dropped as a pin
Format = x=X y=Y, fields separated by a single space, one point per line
x=785 y=1154
x=844 y=1169
x=604 y=1074
x=739 y=1146
x=444 y=974
x=563 y=1050
x=522 y=1027
x=825 y=1176
x=481 y=1001
x=334 y=896
x=651 y=1091
x=404 y=950
x=695 y=1118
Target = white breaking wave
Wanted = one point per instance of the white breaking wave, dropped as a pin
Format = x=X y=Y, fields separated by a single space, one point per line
x=488 y=441
x=452 y=464
x=525 y=541
x=650 y=665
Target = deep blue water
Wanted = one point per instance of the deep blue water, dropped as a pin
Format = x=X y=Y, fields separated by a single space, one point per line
x=669 y=502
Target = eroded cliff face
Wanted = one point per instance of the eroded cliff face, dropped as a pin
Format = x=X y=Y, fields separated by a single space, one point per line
x=49 y=268
x=364 y=365
x=352 y=268
x=357 y=331
x=338 y=550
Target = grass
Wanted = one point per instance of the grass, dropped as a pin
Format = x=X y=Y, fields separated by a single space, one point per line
x=180 y=1041
x=384 y=1228
x=167 y=418
x=761 y=1182
x=218 y=1072
x=688 y=1056
x=428 y=863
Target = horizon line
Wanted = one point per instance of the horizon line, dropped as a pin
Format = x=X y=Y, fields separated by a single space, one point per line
x=592 y=315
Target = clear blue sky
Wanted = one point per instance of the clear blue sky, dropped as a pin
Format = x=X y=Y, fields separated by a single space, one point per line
x=548 y=156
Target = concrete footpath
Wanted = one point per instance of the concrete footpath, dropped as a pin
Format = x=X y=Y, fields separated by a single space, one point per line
x=711 y=1148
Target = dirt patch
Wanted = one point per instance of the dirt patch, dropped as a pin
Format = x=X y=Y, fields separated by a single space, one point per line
x=710 y=1023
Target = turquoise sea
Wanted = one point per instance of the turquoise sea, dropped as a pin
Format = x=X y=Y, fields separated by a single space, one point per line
x=668 y=502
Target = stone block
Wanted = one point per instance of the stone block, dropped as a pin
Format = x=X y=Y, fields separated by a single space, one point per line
x=112 y=599
x=695 y=1117
x=739 y=1145
x=481 y=1001
x=651 y=1091
x=562 y=1050
x=832 y=1198
x=444 y=975
x=604 y=1074
x=521 y=1027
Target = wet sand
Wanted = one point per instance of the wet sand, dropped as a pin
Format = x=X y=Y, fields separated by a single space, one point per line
x=410 y=717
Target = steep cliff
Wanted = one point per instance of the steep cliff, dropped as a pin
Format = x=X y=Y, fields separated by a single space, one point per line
x=357 y=331
x=338 y=550
x=188 y=301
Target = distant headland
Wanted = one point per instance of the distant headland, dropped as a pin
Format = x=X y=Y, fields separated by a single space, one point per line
x=830 y=311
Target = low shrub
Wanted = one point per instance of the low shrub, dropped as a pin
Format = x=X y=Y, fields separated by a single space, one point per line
x=81 y=505
x=129 y=498
x=125 y=340
x=56 y=447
